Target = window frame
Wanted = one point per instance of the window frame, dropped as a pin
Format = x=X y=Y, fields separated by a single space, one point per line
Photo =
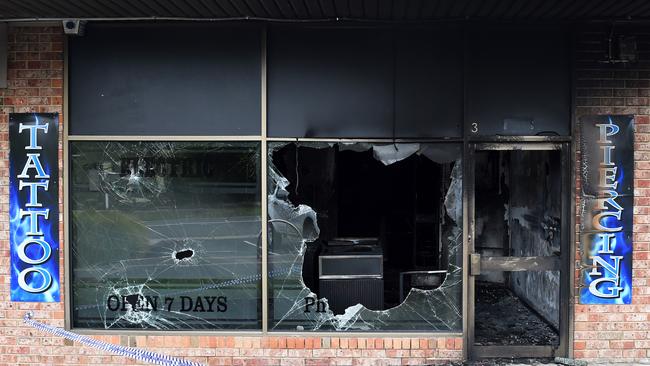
x=263 y=139
x=68 y=255
x=264 y=331
x=380 y=141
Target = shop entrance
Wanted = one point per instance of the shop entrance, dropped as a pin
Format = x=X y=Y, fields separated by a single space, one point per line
x=519 y=215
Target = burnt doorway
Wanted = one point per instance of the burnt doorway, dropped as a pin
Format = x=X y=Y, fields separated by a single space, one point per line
x=519 y=222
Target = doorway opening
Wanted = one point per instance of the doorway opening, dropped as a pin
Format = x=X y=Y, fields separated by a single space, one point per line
x=517 y=258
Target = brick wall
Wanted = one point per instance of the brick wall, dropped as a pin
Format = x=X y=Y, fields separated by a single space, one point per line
x=619 y=333
x=36 y=85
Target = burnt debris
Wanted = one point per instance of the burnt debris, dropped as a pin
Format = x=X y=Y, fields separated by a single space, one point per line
x=400 y=203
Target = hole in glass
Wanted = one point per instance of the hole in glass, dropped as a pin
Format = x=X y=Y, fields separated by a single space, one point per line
x=374 y=242
x=184 y=254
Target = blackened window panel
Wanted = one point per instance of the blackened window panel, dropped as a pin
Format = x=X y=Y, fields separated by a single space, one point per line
x=171 y=80
x=429 y=82
x=330 y=82
x=165 y=235
x=518 y=81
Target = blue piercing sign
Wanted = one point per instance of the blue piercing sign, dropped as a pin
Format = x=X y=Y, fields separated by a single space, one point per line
x=34 y=206
x=607 y=180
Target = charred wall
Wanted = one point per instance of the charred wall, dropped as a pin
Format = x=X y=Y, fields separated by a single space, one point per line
x=492 y=196
x=534 y=221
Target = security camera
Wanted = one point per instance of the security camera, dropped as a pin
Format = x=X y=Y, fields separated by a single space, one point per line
x=74 y=27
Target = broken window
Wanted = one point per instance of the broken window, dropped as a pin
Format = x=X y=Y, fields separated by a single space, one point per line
x=165 y=235
x=365 y=237
x=518 y=200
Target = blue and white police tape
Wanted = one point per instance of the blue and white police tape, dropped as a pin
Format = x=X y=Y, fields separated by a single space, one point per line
x=135 y=353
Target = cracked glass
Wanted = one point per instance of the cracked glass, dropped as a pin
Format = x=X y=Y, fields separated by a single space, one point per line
x=165 y=235
x=365 y=237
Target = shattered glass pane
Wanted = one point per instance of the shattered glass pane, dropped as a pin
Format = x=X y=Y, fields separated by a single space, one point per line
x=165 y=235
x=319 y=192
x=504 y=317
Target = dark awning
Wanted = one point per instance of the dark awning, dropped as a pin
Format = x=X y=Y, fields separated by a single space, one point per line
x=391 y=10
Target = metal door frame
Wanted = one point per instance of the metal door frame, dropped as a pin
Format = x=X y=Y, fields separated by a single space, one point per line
x=566 y=274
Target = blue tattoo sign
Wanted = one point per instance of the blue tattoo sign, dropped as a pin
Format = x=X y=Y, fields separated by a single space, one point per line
x=607 y=180
x=34 y=206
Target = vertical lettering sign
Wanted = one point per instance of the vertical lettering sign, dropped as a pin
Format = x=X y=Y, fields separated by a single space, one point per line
x=34 y=206
x=607 y=179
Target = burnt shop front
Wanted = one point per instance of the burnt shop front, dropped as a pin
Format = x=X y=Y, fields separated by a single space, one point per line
x=336 y=178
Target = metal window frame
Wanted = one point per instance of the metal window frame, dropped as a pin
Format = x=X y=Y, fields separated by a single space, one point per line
x=263 y=139
x=67 y=138
x=564 y=347
x=465 y=140
x=569 y=209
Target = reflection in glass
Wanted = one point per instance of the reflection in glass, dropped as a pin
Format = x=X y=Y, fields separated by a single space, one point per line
x=165 y=235
x=365 y=237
